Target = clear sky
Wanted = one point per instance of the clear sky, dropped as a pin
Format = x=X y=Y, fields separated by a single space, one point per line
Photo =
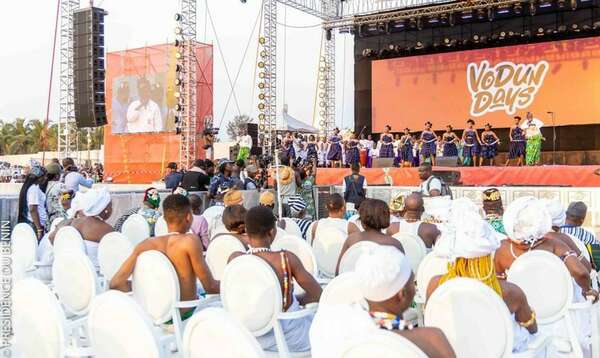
x=27 y=28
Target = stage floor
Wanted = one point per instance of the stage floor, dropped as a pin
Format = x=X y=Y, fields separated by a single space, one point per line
x=552 y=175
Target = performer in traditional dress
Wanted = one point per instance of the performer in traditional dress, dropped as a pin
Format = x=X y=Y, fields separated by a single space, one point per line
x=416 y=150
x=334 y=154
x=471 y=142
x=312 y=153
x=368 y=146
x=534 y=144
x=288 y=151
x=428 y=143
x=489 y=145
x=352 y=152
x=450 y=139
x=516 y=147
x=322 y=151
x=386 y=144
x=406 y=148
x=397 y=158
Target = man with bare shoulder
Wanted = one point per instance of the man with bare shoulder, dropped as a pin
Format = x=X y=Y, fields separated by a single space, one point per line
x=374 y=216
x=183 y=250
x=412 y=223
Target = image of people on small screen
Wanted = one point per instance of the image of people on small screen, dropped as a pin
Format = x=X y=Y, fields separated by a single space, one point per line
x=143 y=114
x=138 y=105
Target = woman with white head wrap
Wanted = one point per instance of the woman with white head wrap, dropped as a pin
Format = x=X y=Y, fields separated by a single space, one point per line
x=471 y=243
x=527 y=223
x=387 y=283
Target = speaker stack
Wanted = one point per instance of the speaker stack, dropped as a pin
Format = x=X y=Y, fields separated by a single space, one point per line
x=253 y=132
x=89 y=67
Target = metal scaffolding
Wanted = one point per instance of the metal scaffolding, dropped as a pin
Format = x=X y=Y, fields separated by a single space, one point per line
x=268 y=78
x=67 y=127
x=188 y=84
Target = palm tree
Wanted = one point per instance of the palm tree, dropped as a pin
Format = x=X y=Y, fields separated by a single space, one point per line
x=237 y=124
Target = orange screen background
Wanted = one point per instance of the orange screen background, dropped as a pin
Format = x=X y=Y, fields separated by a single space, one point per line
x=407 y=92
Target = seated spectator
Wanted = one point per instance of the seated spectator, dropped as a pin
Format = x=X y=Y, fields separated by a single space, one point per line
x=183 y=250
x=492 y=205
x=53 y=193
x=149 y=210
x=261 y=230
x=199 y=223
x=397 y=208
x=234 y=217
x=336 y=210
x=412 y=223
x=173 y=177
x=298 y=212
x=221 y=182
x=233 y=197
x=374 y=217
x=575 y=217
x=474 y=243
x=196 y=179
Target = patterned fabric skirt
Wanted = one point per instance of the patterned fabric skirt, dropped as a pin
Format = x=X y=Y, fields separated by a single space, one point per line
x=352 y=155
x=489 y=151
x=429 y=149
x=406 y=153
x=450 y=150
x=516 y=150
x=335 y=152
x=386 y=151
x=534 y=150
x=470 y=151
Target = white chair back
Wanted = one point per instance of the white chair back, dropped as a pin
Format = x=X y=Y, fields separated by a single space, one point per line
x=414 y=249
x=348 y=261
x=136 y=228
x=75 y=281
x=23 y=246
x=118 y=327
x=37 y=321
x=251 y=292
x=309 y=235
x=383 y=344
x=343 y=289
x=546 y=282
x=113 y=250
x=300 y=248
x=430 y=267
x=214 y=218
x=327 y=246
x=67 y=238
x=160 y=227
x=465 y=305
x=219 y=251
x=292 y=228
x=155 y=285
x=213 y=332
x=55 y=223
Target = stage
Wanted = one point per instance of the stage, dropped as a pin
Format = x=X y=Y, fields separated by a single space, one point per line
x=552 y=175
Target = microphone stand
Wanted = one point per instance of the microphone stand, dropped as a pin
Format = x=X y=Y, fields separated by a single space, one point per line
x=553 y=137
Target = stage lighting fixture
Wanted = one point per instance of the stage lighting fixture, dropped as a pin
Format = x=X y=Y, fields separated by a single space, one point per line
x=261 y=116
x=476 y=38
x=367 y=52
x=502 y=35
x=178 y=130
x=451 y=19
x=261 y=75
x=419 y=24
x=419 y=45
x=444 y=18
x=178 y=30
x=178 y=17
x=490 y=14
x=398 y=24
x=178 y=82
x=178 y=55
x=511 y=34
x=545 y=4
x=587 y=27
x=322 y=104
x=261 y=96
x=261 y=64
x=178 y=107
x=540 y=31
x=467 y=14
x=596 y=25
x=261 y=85
x=532 y=8
x=391 y=48
x=412 y=22
x=526 y=33
x=263 y=53
x=433 y=20
x=328 y=34
x=176 y=94
x=261 y=106
x=480 y=14
x=562 y=28
x=503 y=10
x=575 y=28
x=573 y=4
x=518 y=9
x=177 y=119
x=178 y=43
x=551 y=31
x=261 y=40
x=447 y=42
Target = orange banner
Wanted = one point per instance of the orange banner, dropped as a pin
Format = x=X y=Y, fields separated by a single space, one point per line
x=489 y=86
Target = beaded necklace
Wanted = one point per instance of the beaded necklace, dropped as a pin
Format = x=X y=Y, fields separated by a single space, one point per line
x=389 y=321
x=284 y=267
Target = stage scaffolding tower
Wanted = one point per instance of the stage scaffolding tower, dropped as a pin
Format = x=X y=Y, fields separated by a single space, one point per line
x=268 y=106
x=188 y=87
x=67 y=127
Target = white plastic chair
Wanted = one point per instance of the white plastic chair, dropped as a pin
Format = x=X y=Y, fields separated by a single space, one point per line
x=327 y=246
x=292 y=228
x=113 y=250
x=382 y=344
x=213 y=332
x=414 y=249
x=251 y=292
x=431 y=266
x=118 y=327
x=67 y=238
x=136 y=228
x=300 y=248
x=351 y=256
x=39 y=324
x=549 y=289
x=309 y=235
x=214 y=218
x=160 y=227
x=219 y=251
x=156 y=288
x=343 y=289
x=465 y=305
x=23 y=251
x=55 y=223
x=75 y=281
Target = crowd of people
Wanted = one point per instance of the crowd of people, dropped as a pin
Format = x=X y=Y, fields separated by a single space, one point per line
x=406 y=149
x=478 y=242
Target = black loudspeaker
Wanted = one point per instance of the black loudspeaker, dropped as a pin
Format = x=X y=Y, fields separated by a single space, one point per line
x=88 y=67
x=446 y=161
x=450 y=177
x=383 y=162
x=253 y=131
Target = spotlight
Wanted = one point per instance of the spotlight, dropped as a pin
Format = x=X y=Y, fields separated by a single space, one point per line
x=476 y=38
x=511 y=34
x=433 y=20
x=261 y=85
x=447 y=42
x=587 y=27
x=398 y=24
x=177 y=119
x=178 y=43
x=178 y=17
x=540 y=31
x=261 y=64
x=367 y=52
x=480 y=14
x=178 y=108
x=575 y=28
x=176 y=94
x=178 y=55
x=562 y=28
x=596 y=25
x=419 y=45
x=178 y=130
x=263 y=53
x=261 y=96
x=261 y=40
x=467 y=14
x=503 y=10
x=412 y=22
x=178 y=30
x=178 y=82
x=178 y=68
x=261 y=106
x=518 y=9
x=502 y=35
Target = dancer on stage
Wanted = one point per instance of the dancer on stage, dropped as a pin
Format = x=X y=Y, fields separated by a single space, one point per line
x=312 y=153
x=322 y=151
x=397 y=158
x=366 y=149
x=534 y=143
x=428 y=143
x=334 y=154
x=489 y=145
x=288 y=151
x=352 y=152
x=471 y=142
x=386 y=144
x=406 y=149
x=516 y=147
x=450 y=139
